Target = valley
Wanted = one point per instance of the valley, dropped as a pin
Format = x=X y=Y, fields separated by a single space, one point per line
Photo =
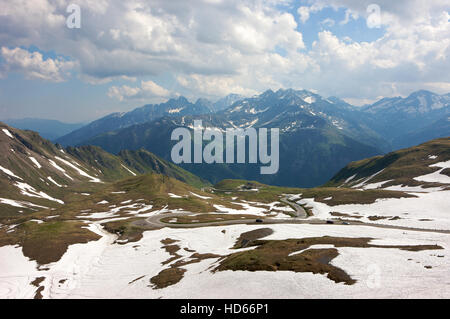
x=247 y=152
x=79 y=222
x=318 y=135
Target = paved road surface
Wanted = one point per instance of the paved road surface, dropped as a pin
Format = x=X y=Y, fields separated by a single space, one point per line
x=154 y=222
x=299 y=210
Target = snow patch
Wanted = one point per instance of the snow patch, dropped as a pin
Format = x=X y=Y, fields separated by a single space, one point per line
x=35 y=162
x=132 y=173
x=8 y=172
x=81 y=172
x=8 y=133
x=199 y=196
x=30 y=191
x=53 y=181
x=436 y=177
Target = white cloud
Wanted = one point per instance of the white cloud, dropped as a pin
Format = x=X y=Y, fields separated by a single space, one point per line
x=34 y=66
x=303 y=12
x=214 y=47
x=328 y=22
x=148 y=90
x=214 y=86
x=349 y=14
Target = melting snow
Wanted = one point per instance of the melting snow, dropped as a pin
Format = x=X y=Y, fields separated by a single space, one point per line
x=134 y=174
x=60 y=169
x=35 y=162
x=350 y=178
x=436 y=177
x=8 y=172
x=88 y=268
x=53 y=181
x=433 y=207
x=30 y=191
x=20 y=204
x=199 y=196
x=367 y=179
x=81 y=172
x=7 y=133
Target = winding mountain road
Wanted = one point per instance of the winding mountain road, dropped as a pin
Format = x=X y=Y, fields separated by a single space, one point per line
x=154 y=222
x=299 y=210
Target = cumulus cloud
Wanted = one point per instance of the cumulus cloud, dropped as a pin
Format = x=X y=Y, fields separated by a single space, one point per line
x=303 y=12
x=349 y=14
x=34 y=66
x=148 y=90
x=213 y=47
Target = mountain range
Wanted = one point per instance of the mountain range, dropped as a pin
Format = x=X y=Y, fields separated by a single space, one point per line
x=318 y=135
x=73 y=218
x=174 y=107
x=49 y=129
x=36 y=174
x=405 y=122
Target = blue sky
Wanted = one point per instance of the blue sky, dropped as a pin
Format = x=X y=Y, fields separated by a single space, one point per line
x=138 y=52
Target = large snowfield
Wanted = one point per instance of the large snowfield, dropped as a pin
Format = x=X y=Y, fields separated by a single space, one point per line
x=104 y=269
x=107 y=269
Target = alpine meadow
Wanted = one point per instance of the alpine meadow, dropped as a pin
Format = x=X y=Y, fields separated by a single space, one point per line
x=219 y=157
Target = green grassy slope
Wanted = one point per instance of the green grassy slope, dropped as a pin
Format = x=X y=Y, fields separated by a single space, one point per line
x=398 y=167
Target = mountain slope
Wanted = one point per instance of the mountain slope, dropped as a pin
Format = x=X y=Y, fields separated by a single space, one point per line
x=316 y=140
x=227 y=101
x=36 y=174
x=402 y=120
x=180 y=106
x=438 y=129
x=423 y=166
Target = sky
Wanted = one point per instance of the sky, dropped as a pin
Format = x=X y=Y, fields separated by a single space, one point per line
x=118 y=55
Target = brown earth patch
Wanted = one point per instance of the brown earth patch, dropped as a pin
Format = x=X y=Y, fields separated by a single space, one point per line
x=207 y=218
x=168 y=241
x=171 y=249
x=47 y=242
x=273 y=255
x=167 y=277
x=126 y=230
x=337 y=214
x=373 y=218
x=175 y=273
x=446 y=172
x=38 y=294
x=246 y=238
x=343 y=196
x=36 y=283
